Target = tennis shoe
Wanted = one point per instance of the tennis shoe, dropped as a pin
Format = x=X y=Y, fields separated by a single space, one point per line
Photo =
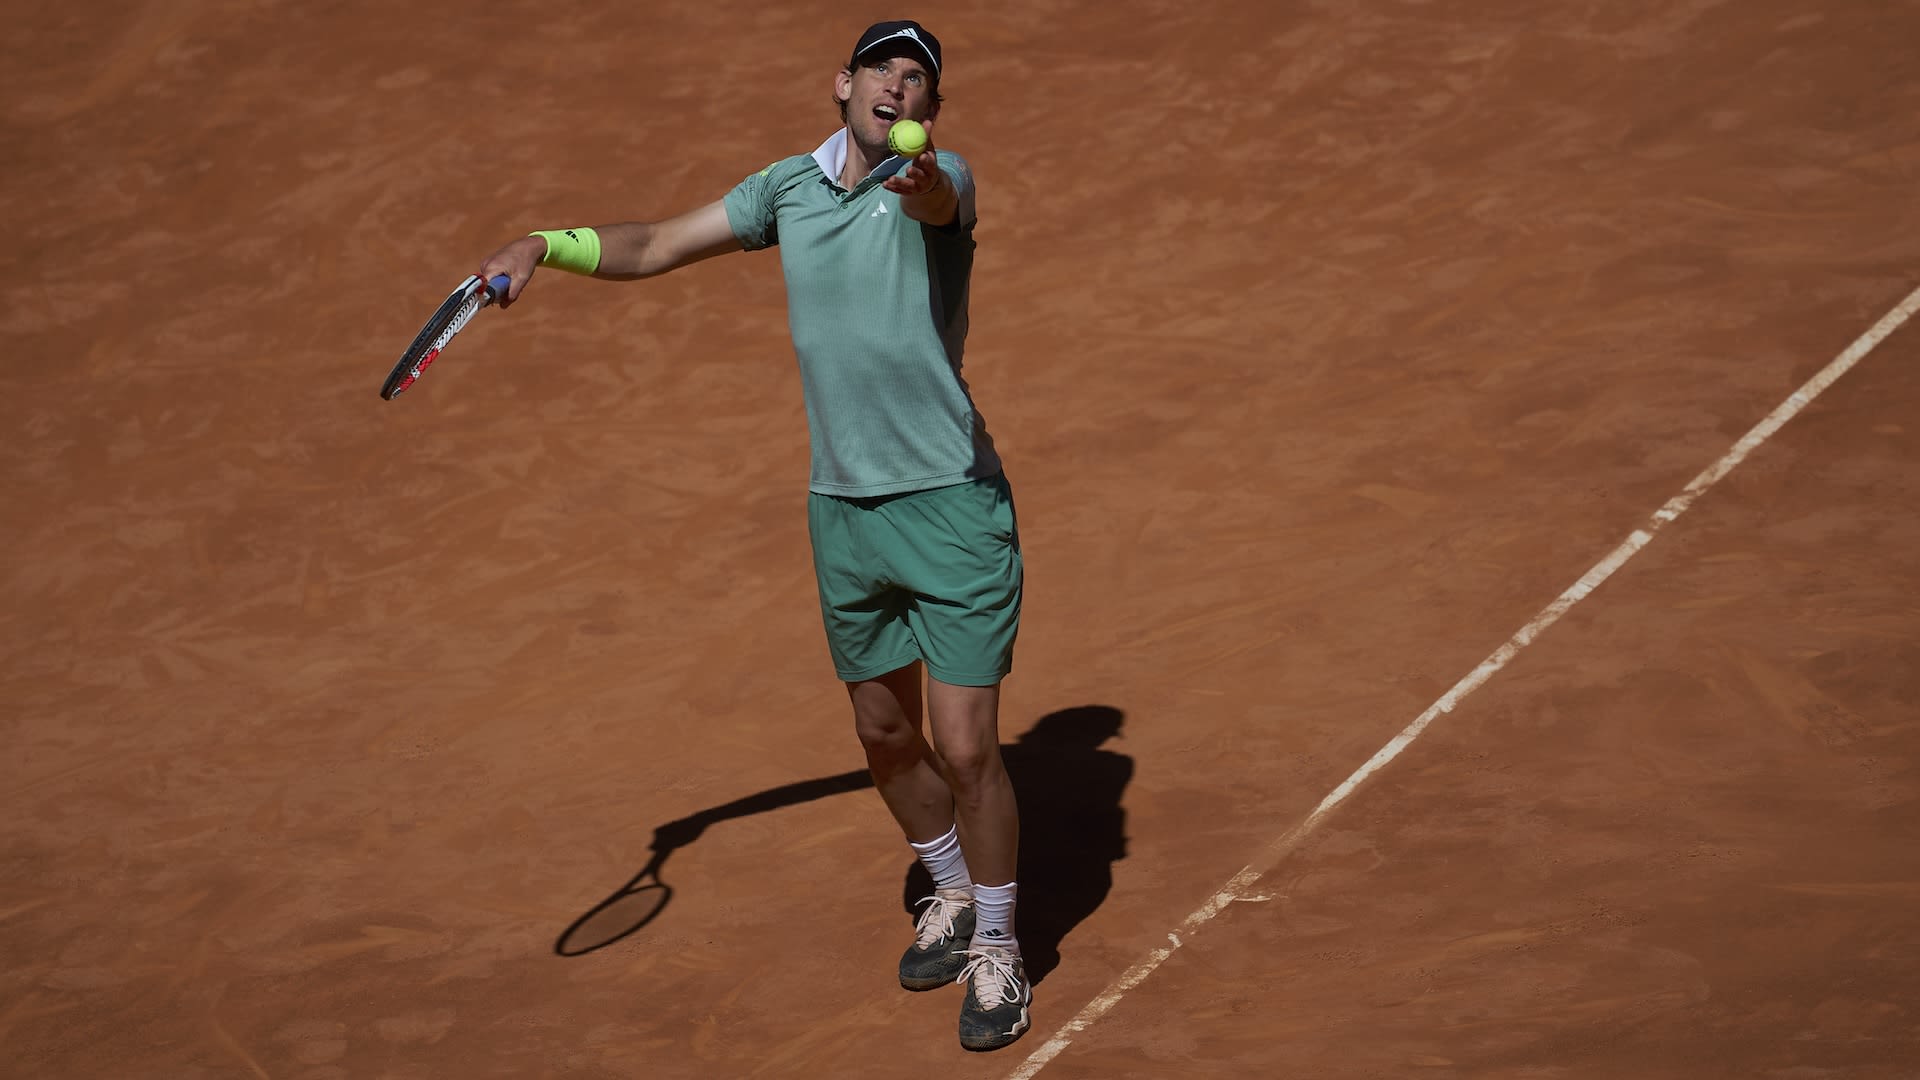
x=938 y=953
x=994 y=1012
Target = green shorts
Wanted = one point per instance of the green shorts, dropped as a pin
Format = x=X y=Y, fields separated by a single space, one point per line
x=925 y=575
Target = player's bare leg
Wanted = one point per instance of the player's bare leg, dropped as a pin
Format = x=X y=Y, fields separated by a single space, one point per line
x=888 y=719
x=966 y=737
x=966 y=741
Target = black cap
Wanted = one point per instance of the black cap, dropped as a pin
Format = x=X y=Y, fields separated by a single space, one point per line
x=906 y=30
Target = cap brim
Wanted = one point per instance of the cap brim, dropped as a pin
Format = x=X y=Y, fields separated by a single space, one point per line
x=910 y=46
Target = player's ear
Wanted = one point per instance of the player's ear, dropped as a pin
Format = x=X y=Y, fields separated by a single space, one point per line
x=843 y=86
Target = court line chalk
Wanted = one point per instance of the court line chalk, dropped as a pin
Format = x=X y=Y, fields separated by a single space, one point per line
x=1237 y=886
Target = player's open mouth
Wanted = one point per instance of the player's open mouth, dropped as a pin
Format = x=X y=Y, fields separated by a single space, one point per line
x=886 y=112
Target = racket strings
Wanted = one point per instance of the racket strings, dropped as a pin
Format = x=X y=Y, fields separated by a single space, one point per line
x=450 y=319
x=459 y=321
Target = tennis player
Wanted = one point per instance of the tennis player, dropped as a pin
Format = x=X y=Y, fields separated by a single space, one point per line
x=915 y=548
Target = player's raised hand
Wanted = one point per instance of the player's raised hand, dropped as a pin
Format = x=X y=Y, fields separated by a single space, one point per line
x=913 y=140
x=921 y=175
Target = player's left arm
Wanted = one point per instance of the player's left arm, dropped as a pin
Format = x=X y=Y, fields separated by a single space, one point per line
x=927 y=193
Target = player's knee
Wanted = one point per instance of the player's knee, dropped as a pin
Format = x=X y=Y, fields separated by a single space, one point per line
x=886 y=737
x=970 y=763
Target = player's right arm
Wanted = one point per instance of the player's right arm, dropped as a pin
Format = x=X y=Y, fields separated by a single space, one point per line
x=629 y=250
x=643 y=249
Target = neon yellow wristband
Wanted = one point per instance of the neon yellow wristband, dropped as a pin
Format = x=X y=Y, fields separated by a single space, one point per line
x=576 y=251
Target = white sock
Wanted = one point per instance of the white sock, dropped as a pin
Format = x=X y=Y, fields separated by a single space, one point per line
x=943 y=860
x=993 y=916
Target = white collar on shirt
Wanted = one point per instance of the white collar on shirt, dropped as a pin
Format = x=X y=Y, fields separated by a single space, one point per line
x=832 y=158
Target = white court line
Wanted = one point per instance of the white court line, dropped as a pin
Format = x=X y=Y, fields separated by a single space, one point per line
x=1237 y=886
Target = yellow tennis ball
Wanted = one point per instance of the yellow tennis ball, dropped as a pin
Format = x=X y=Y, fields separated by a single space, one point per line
x=907 y=138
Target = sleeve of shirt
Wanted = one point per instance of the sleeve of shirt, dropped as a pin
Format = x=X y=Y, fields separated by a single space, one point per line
x=956 y=169
x=750 y=209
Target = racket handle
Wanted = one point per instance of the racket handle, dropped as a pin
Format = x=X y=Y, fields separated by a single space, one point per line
x=498 y=285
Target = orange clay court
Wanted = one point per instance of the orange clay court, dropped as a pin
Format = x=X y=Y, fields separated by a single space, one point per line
x=1327 y=344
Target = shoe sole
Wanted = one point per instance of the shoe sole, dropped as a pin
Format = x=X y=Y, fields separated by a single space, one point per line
x=996 y=1042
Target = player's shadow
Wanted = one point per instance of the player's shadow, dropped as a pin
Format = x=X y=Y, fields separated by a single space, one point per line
x=1072 y=831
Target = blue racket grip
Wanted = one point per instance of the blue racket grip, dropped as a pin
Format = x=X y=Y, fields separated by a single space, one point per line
x=498 y=286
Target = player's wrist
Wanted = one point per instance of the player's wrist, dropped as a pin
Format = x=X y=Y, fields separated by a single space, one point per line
x=575 y=250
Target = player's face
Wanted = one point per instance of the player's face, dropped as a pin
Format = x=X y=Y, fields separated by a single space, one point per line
x=881 y=91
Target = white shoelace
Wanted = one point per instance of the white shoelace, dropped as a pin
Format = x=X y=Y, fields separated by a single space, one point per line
x=995 y=980
x=937 y=921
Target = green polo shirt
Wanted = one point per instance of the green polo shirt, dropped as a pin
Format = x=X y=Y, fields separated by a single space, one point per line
x=877 y=306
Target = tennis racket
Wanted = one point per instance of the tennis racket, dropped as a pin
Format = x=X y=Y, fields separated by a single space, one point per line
x=472 y=295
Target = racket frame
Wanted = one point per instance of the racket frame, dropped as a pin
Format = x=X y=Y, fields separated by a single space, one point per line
x=451 y=317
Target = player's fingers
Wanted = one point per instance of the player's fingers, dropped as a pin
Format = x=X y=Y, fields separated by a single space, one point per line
x=518 y=275
x=910 y=181
x=515 y=282
x=490 y=270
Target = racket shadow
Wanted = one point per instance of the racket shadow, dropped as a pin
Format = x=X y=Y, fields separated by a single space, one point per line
x=1072 y=831
x=641 y=900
